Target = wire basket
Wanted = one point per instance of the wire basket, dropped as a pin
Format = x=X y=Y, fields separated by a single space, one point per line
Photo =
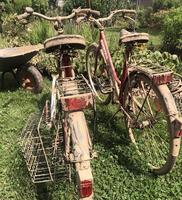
x=42 y=150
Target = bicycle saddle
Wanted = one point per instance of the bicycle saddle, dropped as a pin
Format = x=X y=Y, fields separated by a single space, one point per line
x=127 y=37
x=64 y=42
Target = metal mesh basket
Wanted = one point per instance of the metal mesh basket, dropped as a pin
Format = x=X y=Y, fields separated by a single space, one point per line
x=41 y=147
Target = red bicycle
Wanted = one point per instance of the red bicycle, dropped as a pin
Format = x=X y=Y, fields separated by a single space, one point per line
x=150 y=113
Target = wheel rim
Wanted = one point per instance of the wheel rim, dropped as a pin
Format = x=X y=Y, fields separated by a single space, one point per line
x=98 y=76
x=27 y=82
x=148 y=126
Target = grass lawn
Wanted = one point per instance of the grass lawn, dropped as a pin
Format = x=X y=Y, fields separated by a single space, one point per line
x=117 y=175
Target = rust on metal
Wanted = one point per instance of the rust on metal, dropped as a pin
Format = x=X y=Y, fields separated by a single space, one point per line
x=77 y=102
x=162 y=78
x=159 y=78
x=178 y=127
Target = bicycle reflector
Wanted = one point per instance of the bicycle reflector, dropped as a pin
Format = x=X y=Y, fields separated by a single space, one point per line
x=178 y=127
x=85 y=188
x=85 y=181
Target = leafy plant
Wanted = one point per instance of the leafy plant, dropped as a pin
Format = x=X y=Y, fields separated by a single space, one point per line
x=13 y=31
x=165 y=4
x=172 y=32
x=39 y=31
x=18 y=6
x=165 y=60
x=103 y=6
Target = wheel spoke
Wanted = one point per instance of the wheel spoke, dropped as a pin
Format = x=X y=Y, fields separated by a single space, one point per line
x=148 y=123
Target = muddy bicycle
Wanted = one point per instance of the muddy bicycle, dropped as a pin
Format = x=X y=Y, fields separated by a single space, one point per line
x=62 y=124
x=151 y=117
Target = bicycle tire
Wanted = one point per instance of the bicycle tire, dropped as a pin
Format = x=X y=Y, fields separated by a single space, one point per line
x=97 y=81
x=151 y=109
x=80 y=149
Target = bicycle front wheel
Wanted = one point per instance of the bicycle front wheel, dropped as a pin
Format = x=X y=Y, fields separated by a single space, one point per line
x=150 y=109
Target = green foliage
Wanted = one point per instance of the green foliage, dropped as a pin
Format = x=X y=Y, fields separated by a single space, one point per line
x=172 y=32
x=117 y=174
x=13 y=31
x=40 y=5
x=144 y=17
x=39 y=31
x=18 y=6
x=104 y=6
x=165 y=4
x=165 y=60
x=70 y=4
x=45 y=62
x=84 y=29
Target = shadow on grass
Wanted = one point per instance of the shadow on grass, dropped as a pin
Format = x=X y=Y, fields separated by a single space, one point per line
x=9 y=83
x=20 y=181
x=42 y=101
x=42 y=192
x=112 y=134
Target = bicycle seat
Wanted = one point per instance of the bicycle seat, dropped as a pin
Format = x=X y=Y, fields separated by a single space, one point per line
x=13 y=57
x=127 y=37
x=64 y=42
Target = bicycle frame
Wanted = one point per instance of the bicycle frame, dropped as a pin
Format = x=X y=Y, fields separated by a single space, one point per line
x=76 y=133
x=103 y=48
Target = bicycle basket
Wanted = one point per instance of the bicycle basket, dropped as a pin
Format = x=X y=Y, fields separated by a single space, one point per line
x=42 y=151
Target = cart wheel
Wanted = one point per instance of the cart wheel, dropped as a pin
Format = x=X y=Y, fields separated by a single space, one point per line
x=30 y=79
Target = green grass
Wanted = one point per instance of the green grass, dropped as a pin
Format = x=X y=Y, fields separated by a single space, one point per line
x=3 y=42
x=117 y=174
x=155 y=37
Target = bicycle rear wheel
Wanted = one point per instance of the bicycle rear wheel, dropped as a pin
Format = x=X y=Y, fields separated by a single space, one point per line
x=150 y=111
x=98 y=75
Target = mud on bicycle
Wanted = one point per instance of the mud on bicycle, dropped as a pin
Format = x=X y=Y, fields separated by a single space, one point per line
x=59 y=138
x=153 y=122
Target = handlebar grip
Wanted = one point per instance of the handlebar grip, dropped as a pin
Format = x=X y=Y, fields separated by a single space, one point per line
x=23 y=16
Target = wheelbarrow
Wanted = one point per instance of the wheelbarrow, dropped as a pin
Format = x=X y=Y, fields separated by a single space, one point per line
x=16 y=60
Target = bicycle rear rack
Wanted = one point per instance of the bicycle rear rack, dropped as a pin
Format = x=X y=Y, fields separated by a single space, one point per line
x=75 y=94
x=42 y=152
x=158 y=74
x=161 y=75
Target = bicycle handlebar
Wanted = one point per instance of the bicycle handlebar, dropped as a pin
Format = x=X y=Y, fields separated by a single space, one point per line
x=99 y=21
x=86 y=11
x=75 y=12
x=122 y=11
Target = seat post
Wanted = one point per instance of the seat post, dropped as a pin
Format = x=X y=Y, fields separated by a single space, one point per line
x=127 y=54
x=128 y=51
x=65 y=66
